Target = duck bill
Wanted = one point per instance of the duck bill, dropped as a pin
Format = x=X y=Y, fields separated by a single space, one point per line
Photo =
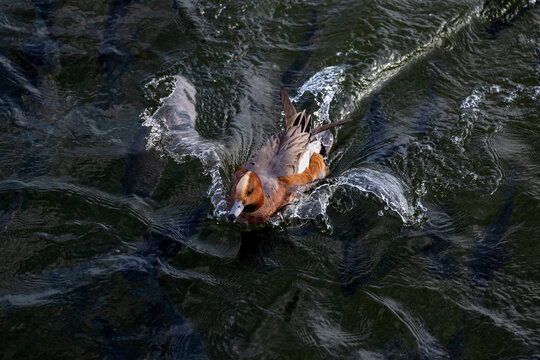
x=236 y=210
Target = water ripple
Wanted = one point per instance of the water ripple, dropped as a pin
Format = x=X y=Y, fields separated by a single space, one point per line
x=428 y=346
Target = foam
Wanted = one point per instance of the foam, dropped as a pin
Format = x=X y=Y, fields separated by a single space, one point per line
x=471 y=107
x=475 y=112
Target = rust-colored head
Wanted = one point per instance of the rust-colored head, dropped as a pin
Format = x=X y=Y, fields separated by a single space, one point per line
x=249 y=195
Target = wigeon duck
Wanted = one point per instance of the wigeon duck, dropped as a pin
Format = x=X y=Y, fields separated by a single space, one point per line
x=290 y=159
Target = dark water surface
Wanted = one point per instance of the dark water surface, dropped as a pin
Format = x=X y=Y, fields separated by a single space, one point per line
x=423 y=242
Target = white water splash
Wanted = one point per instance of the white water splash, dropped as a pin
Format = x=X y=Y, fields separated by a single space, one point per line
x=308 y=206
x=173 y=133
x=385 y=187
x=324 y=83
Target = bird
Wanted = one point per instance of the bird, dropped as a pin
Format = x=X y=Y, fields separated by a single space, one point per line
x=269 y=179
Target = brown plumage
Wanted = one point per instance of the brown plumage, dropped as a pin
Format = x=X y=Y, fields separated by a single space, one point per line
x=268 y=180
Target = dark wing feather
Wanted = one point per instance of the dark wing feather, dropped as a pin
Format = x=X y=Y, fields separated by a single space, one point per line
x=288 y=107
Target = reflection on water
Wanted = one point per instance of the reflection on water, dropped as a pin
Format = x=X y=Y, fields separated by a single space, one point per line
x=122 y=122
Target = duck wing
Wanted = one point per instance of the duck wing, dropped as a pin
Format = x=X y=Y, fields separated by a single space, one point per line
x=281 y=154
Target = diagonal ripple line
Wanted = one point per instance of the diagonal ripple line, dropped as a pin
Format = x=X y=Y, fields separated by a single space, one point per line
x=383 y=72
x=428 y=346
x=134 y=205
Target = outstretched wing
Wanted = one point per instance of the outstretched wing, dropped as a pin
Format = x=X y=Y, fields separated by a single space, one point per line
x=292 y=145
x=281 y=154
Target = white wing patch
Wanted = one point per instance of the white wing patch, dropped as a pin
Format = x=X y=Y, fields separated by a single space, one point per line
x=313 y=147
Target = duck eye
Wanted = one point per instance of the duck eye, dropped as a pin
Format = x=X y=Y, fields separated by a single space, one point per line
x=250 y=190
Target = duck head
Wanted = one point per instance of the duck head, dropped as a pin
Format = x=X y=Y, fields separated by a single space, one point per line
x=249 y=195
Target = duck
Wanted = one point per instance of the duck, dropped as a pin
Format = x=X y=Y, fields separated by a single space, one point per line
x=270 y=178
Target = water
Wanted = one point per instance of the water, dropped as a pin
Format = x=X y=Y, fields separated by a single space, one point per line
x=123 y=121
